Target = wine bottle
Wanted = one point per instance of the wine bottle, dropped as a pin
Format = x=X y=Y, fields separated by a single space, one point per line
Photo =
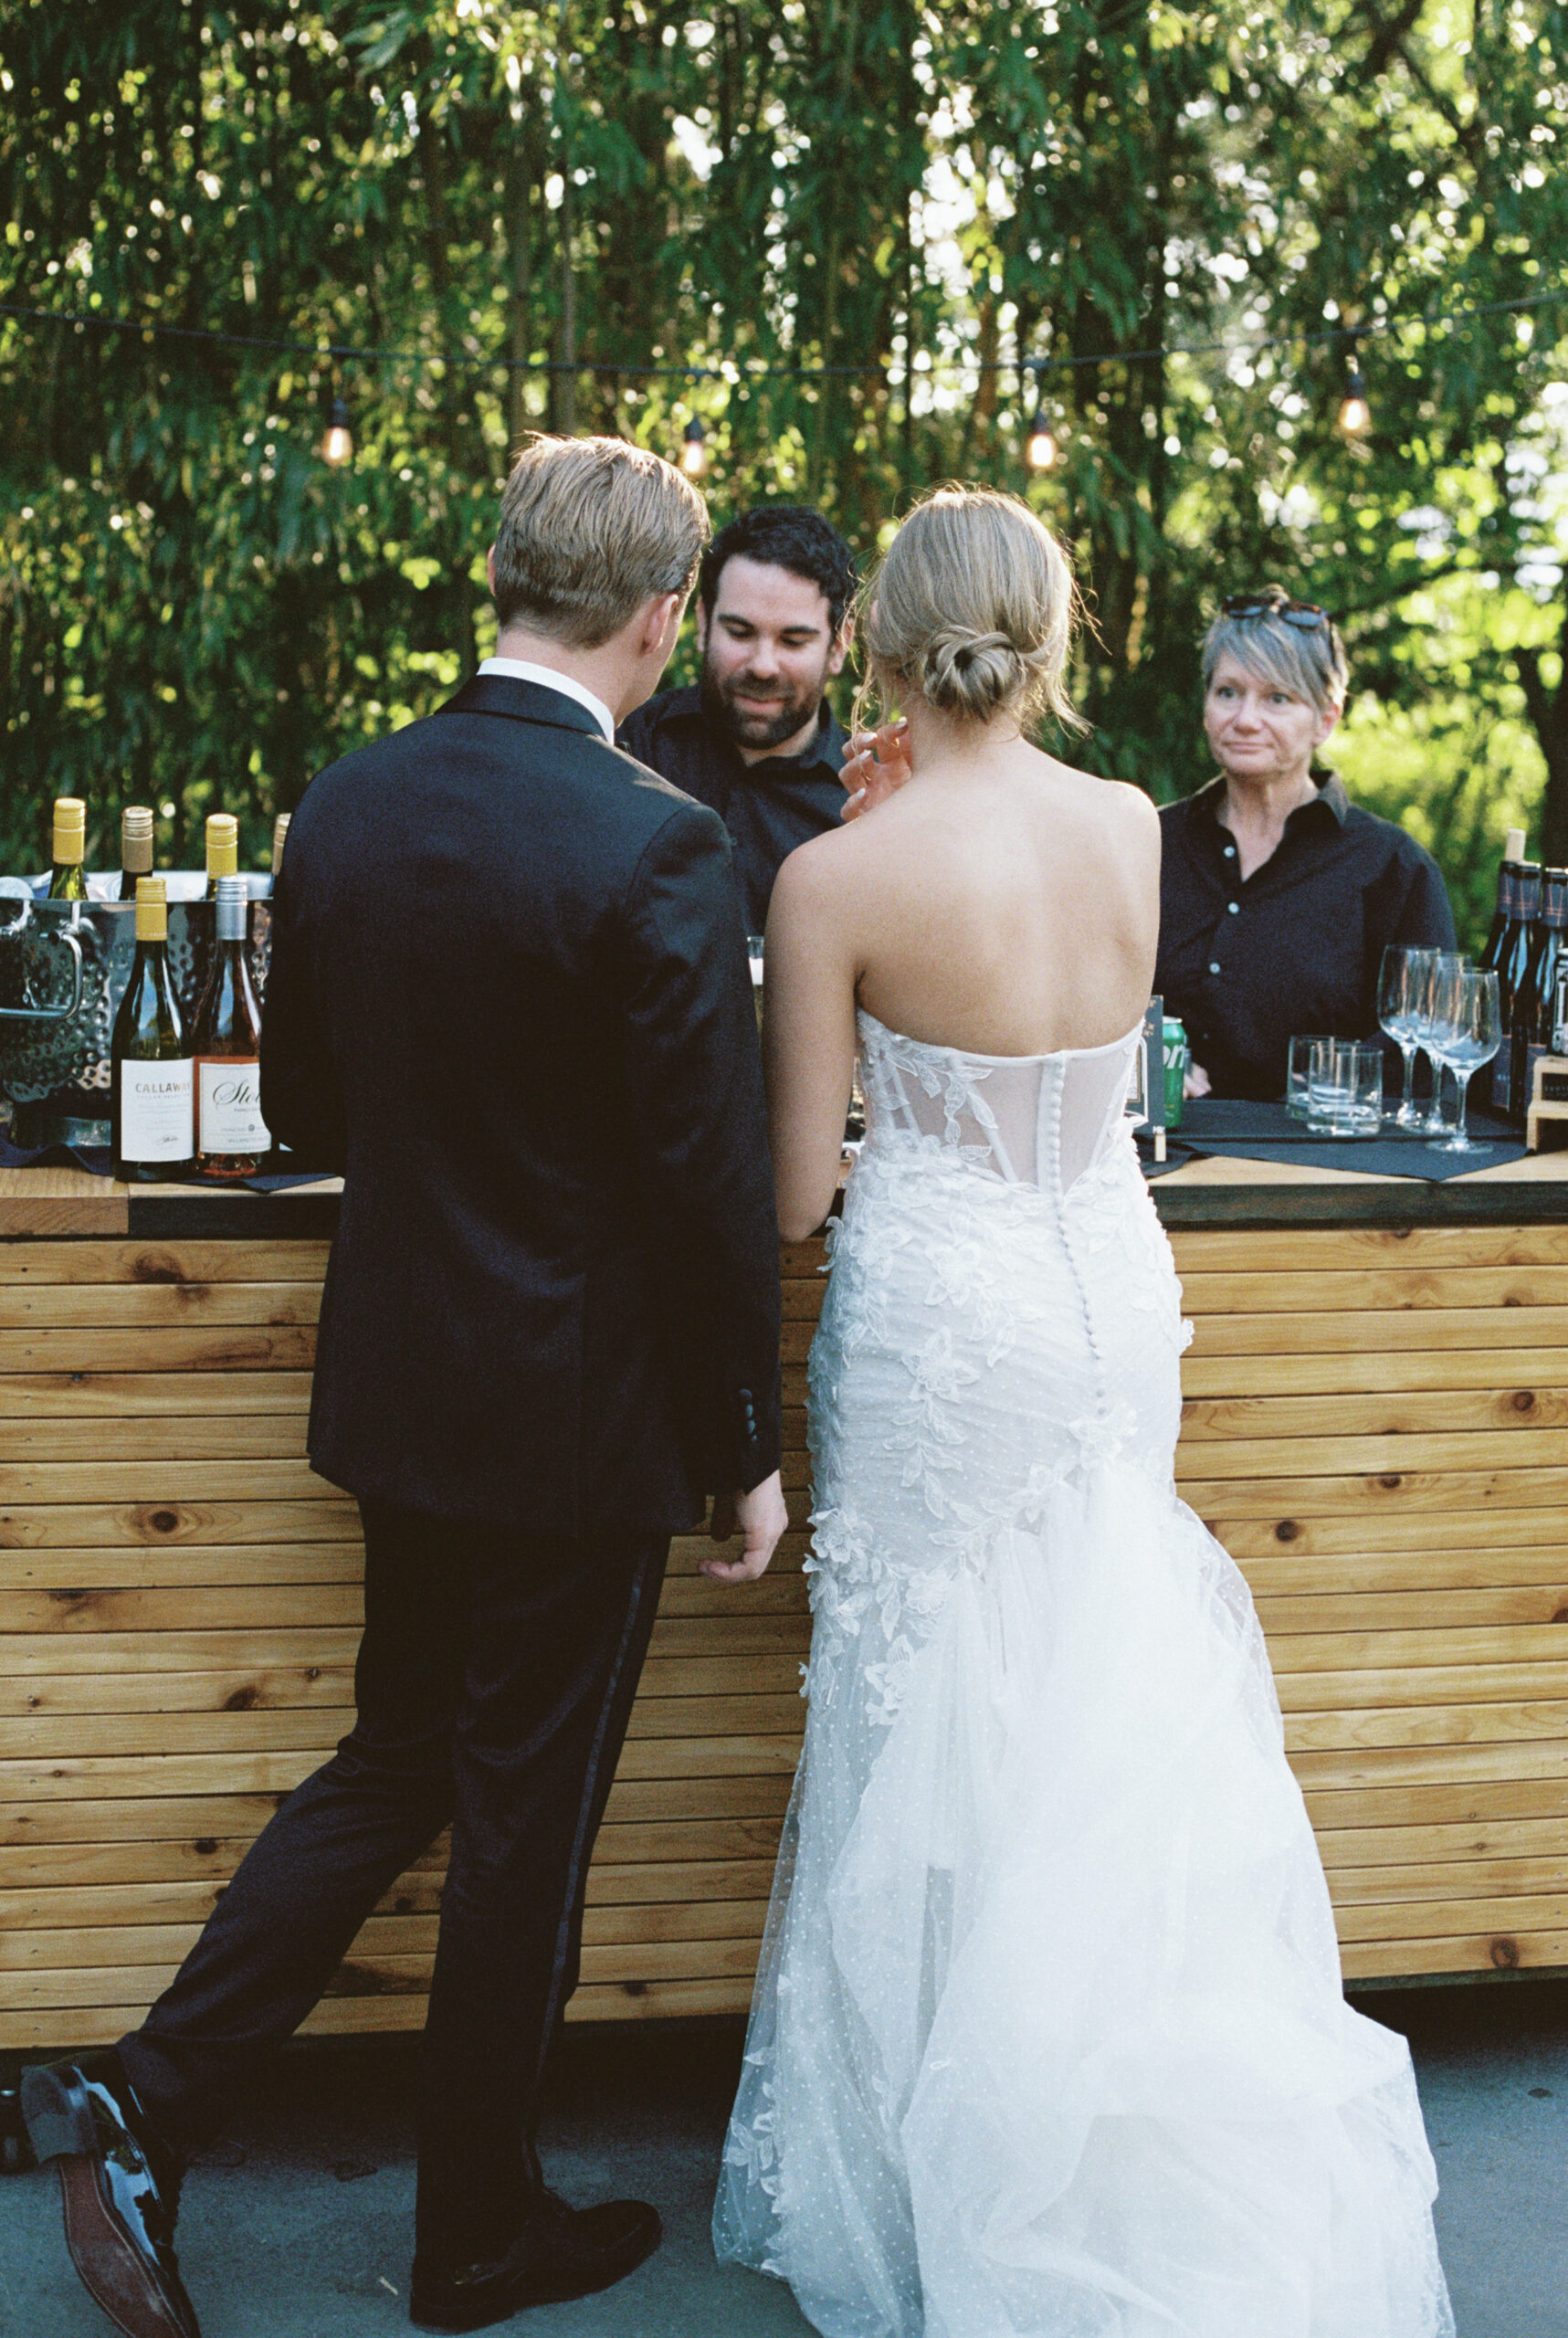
x=1506 y=955
x=279 y=830
x=1535 y=1000
x=67 y=879
x=226 y=1047
x=223 y=850
x=135 y=847
x=1512 y=855
x=153 y=1129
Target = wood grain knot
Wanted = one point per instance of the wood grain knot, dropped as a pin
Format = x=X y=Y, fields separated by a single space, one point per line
x=634 y=1988
x=1505 y=1955
x=156 y=1266
x=163 y=1522
x=1287 y=1530
x=71 y=1599
x=1560 y=1615
x=205 y=1845
x=1390 y=1482
x=241 y=1699
x=1523 y=1400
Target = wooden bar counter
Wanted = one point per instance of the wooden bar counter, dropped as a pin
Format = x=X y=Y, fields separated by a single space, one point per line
x=1376 y=1427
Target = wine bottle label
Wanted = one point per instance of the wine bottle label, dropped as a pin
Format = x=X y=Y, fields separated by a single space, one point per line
x=157 y=1111
x=229 y=1107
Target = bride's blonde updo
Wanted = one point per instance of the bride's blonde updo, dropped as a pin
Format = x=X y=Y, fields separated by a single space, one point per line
x=972 y=609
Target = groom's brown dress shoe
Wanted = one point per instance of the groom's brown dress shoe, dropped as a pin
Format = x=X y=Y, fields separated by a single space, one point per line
x=121 y=2186
x=561 y=2253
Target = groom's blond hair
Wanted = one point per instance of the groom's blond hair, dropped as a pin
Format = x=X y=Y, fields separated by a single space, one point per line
x=590 y=529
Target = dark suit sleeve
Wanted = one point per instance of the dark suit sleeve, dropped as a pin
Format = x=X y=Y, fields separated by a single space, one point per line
x=301 y=1095
x=694 y=1073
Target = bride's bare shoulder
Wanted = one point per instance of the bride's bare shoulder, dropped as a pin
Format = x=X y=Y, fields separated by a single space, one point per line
x=1112 y=808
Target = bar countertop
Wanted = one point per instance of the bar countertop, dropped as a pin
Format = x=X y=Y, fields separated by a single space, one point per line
x=1204 y=1192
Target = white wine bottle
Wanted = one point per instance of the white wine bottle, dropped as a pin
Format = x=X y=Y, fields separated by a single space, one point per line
x=225 y=1048
x=67 y=879
x=135 y=847
x=152 y=1117
x=223 y=850
x=280 y=831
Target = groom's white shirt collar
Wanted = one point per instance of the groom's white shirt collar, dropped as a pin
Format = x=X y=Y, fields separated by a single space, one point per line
x=520 y=670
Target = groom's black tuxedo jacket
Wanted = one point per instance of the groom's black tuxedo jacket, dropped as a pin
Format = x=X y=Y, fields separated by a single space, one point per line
x=508 y=997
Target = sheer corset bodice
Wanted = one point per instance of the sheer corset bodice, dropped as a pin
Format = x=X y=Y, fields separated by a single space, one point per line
x=1035 y=1121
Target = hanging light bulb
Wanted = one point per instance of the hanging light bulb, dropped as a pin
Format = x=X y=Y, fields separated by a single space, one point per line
x=1040 y=447
x=694 y=450
x=338 y=446
x=1355 y=414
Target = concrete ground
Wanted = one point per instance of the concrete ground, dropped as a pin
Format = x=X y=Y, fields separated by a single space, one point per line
x=297 y=2224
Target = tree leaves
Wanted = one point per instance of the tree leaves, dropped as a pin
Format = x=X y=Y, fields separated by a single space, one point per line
x=194 y=609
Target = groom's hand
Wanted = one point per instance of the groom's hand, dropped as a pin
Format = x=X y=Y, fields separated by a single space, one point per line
x=761 y=1517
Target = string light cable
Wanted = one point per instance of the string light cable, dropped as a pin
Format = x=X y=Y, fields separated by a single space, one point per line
x=1041 y=442
x=340 y=353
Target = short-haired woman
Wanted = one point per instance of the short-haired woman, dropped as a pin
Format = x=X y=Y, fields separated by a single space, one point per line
x=1277 y=895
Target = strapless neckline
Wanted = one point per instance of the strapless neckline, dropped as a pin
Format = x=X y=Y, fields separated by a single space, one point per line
x=976 y=1055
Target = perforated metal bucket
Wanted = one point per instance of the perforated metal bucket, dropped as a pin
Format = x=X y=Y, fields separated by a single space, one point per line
x=64 y=967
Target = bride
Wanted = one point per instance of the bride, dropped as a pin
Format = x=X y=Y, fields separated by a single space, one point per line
x=1049 y=2037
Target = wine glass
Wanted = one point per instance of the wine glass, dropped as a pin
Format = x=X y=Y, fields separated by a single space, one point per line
x=1399 y=983
x=1431 y=1031
x=1467 y=1011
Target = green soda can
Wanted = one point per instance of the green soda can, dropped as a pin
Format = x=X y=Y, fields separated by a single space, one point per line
x=1175 y=1058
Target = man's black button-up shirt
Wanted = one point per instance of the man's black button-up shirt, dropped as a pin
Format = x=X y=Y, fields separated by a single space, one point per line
x=768 y=807
x=1298 y=946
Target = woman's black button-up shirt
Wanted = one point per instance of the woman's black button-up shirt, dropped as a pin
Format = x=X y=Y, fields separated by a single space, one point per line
x=1297 y=947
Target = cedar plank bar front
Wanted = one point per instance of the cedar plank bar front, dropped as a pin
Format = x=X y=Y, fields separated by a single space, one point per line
x=1376 y=1427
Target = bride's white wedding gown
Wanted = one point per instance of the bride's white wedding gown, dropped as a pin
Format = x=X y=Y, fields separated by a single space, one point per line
x=1048 y=2035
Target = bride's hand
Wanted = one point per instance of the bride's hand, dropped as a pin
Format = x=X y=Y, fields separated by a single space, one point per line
x=876 y=765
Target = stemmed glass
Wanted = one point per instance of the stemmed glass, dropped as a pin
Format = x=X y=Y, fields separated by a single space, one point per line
x=1399 y=989
x=1466 y=1015
x=1431 y=1032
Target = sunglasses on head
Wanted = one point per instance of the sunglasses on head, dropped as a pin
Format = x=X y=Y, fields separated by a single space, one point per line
x=1305 y=614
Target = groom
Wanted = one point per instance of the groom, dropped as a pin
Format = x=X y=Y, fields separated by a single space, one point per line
x=508 y=997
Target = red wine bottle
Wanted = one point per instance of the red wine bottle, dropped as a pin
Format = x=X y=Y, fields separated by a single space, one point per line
x=1535 y=999
x=135 y=847
x=1508 y=951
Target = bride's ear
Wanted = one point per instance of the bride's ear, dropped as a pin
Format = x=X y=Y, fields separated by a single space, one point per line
x=840 y=649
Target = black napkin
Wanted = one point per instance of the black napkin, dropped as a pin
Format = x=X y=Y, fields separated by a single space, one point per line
x=1234 y=1128
x=95 y=1160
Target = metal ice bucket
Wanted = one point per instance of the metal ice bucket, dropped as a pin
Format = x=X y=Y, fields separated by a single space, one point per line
x=64 y=967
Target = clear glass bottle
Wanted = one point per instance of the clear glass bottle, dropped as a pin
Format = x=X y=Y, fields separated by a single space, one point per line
x=226 y=1047
x=280 y=831
x=151 y=1089
x=67 y=878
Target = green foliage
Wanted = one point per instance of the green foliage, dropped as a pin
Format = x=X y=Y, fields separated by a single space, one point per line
x=195 y=610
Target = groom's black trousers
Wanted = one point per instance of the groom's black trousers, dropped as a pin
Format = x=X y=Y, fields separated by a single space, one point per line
x=494 y=1683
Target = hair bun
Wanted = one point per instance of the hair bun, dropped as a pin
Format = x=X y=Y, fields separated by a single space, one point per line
x=972 y=611
x=971 y=674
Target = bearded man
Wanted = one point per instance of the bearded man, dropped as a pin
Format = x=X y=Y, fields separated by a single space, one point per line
x=755 y=740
